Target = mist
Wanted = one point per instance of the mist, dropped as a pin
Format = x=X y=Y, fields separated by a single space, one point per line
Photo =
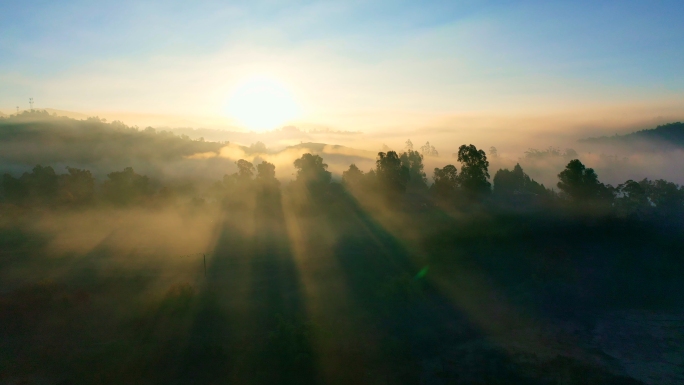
x=335 y=256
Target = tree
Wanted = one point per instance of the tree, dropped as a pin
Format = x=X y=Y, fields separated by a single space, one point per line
x=353 y=177
x=446 y=181
x=78 y=186
x=258 y=147
x=43 y=183
x=413 y=161
x=391 y=174
x=245 y=170
x=370 y=179
x=666 y=196
x=408 y=145
x=266 y=177
x=507 y=182
x=493 y=152
x=266 y=172
x=581 y=184
x=267 y=188
x=311 y=170
x=37 y=187
x=125 y=187
x=631 y=198
x=15 y=190
x=428 y=150
x=474 y=171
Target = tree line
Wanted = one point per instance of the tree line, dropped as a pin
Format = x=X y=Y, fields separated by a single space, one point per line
x=395 y=174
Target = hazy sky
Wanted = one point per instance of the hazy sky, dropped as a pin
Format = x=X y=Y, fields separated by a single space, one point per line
x=345 y=63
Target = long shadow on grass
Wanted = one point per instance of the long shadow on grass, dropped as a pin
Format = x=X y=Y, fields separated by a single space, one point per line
x=415 y=322
x=250 y=327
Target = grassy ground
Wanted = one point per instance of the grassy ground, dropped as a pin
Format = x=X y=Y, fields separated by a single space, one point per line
x=332 y=290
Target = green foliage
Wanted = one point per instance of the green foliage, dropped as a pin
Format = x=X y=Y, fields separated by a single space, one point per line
x=266 y=171
x=245 y=171
x=353 y=177
x=446 y=181
x=631 y=198
x=311 y=170
x=266 y=180
x=38 y=187
x=15 y=190
x=581 y=184
x=78 y=186
x=413 y=161
x=126 y=187
x=666 y=196
x=516 y=182
x=391 y=174
x=474 y=171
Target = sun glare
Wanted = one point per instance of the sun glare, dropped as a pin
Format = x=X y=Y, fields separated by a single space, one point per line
x=261 y=104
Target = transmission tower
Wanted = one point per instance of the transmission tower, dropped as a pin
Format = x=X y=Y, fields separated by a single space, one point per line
x=31 y=103
x=17 y=110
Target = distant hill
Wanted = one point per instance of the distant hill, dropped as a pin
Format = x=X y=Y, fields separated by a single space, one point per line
x=68 y=114
x=664 y=136
x=338 y=156
x=37 y=137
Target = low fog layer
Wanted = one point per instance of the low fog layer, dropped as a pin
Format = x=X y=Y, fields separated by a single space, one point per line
x=180 y=260
x=207 y=154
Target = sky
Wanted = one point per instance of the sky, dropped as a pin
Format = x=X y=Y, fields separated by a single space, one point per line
x=350 y=65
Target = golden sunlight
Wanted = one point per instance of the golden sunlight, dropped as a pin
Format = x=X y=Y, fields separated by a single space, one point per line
x=262 y=103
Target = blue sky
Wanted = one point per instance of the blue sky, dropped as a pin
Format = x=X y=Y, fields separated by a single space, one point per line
x=342 y=58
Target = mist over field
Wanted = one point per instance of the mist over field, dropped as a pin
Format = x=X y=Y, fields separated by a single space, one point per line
x=158 y=255
x=315 y=192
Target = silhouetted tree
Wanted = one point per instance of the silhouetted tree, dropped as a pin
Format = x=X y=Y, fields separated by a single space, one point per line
x=44 y=183
x=631 y=198
x=15 y=190
x=581 y=184
x=266 y=172
x=353 y=177
x=78 y=186
x=413 y=161
x=446 y=181
x=429 y=150
x=474 y=171
x=370 y=179
x=37 y=187
x=258 y=147
x=493 y=152
x=125 y=187
x=266 y=177
x=245 y=170
x=666 y=196
x=507 y=182
x=311 y=170
x=391 y=174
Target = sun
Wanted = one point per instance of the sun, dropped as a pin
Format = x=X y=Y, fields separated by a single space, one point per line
x=262 y=103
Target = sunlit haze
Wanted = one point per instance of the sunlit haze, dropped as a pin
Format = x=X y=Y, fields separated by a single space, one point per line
x=304 y=192
x=260 y=104
x=366 y=66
